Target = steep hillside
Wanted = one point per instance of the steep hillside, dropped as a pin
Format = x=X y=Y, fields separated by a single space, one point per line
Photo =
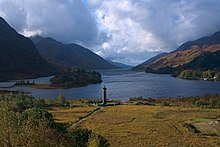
x=18 y=56
x=144 y=65
x=185 y=54
x=69 y=55
x=208 y=61
x=205 y=66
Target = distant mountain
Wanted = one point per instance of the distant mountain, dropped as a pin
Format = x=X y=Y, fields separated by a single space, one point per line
x=69 y=55
x=120 y=65
x=144 y=65
x=185 y=54
x=18 y=56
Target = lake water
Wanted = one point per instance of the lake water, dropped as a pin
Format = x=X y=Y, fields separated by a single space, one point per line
x=123 y=84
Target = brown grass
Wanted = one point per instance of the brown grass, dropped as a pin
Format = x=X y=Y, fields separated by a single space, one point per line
x=68 y=116
x=182 y=57
x=150 y=125
x=42 y=86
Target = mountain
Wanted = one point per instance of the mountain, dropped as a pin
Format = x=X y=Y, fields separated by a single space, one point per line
x=208 y=40
x=205 y=66
x=120 y=65
x=184 y=54
x=69 y=55
x=207 y=61
x=144 y=65
x=18 y=56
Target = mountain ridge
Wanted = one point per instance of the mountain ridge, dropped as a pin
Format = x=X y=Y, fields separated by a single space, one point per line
x=70 y=55
x=143 y=65
x=212 y=39
x=18 y=56
x=184 y=54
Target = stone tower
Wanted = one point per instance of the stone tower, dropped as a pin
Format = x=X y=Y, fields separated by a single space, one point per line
x=104 y=97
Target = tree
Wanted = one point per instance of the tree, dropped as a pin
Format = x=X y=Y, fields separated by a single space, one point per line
x=9 y=130
x=212 y=103
x=36 y=115
x=84 y=137
x=198 y=103
x=208 y=74
x=81 y=136
x=61 y=99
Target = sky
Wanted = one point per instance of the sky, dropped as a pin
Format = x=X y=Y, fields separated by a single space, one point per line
x=127 y=31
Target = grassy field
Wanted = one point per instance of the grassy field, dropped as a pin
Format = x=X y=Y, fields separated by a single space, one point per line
x=68 y=116
x=131 y=125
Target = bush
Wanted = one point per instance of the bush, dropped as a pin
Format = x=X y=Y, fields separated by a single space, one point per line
x=36 y=115
x=22 y=101
x=165 y=103
x=27 y=133
x=62 y=101
x=198 y=103
x=97 y=141
x=34 y=126
x=81 y=136
x=84 y=137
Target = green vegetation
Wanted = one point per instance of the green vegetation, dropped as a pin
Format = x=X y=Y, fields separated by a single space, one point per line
x=76 y=77
x=26 y=122
x=203 y=67
x=199 y=120
x=198 y=74
x=62 y=101
x=207 y=101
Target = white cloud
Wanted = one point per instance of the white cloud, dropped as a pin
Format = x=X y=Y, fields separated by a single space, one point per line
x=28 y=33
x=153 y=25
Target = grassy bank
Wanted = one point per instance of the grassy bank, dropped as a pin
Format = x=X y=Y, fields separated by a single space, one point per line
x=191 y=121
x=138 y=124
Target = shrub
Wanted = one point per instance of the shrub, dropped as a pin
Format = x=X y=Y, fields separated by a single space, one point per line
x=36 y=115
x=84 y=137
x=62 y=101
x=165 y=103
x=34 y=126
x=198 y=103
x=81 y=136
x=97 y=141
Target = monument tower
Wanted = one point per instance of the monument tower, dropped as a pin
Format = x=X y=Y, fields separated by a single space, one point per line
x=104 y=97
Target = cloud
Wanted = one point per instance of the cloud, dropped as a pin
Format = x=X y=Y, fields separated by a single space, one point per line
x=129 y=31
x=14 y=14
x=150 y=26
x=66 y=20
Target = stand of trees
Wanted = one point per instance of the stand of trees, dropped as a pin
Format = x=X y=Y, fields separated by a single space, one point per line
x=198 y=74
x=24 y=122
x=76 y=77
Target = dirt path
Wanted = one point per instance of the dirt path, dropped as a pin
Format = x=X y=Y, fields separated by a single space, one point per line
x=85 y=117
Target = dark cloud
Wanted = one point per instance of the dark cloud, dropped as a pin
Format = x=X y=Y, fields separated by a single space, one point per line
x=66 y=20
